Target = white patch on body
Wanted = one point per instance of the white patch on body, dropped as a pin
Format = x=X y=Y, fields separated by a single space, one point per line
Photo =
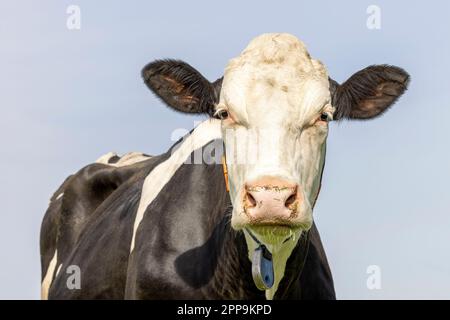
x=104 y=159
x=48 y=278
x=126 y=160
x=58 y=270
x=204 y=133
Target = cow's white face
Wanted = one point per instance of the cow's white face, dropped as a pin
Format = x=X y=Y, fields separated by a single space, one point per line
x=277 y=102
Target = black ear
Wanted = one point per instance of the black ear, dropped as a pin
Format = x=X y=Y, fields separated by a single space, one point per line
x=369 y=92
x=181 y=87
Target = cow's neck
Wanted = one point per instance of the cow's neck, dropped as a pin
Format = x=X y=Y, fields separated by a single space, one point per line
x=233 y=278
x=280 y=256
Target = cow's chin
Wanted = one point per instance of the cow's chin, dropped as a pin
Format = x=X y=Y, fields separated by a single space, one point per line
x=274 y=235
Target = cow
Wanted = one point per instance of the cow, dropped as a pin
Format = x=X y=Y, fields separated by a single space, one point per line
x=226 y=212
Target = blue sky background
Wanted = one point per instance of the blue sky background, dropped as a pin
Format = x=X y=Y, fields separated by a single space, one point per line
x=67 y=97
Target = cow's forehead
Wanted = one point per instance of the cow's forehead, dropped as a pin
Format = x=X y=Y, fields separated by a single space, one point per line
x=275 y=51
x=275 y=70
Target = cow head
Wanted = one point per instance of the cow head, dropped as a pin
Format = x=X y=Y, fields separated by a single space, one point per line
x=275 y=104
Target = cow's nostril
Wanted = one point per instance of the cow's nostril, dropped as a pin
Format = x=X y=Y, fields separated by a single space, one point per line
x=250 y=200
x=290 y=200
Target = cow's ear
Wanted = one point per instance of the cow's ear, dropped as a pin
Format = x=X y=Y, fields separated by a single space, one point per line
x=368 y=92
x=180 y=86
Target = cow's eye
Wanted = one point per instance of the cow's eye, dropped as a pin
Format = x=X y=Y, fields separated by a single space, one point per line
x=221 y=114
x=325 y=116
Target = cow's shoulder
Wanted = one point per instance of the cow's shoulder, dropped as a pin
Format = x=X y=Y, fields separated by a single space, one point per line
x=73 y=206
x=83 y=192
